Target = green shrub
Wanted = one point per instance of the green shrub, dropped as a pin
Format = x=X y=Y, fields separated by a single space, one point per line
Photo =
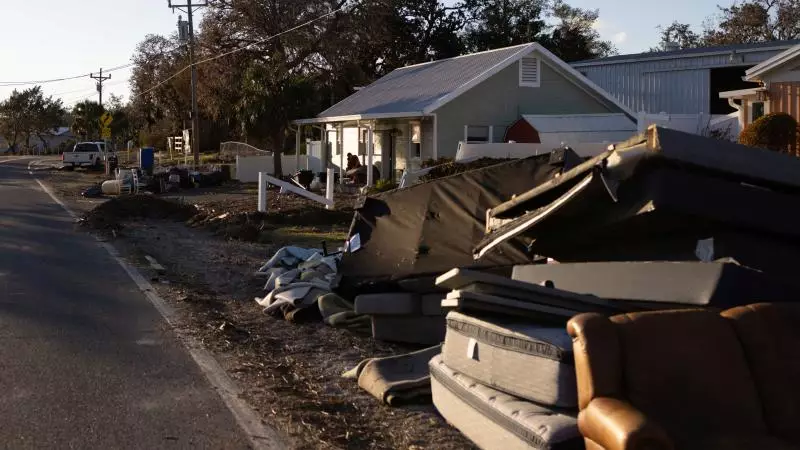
x=383 y=185
x=776 y=131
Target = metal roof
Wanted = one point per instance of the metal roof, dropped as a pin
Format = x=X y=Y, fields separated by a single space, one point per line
x=773 y=63
x=414 y=88
x=580 y=123
x=689 y=52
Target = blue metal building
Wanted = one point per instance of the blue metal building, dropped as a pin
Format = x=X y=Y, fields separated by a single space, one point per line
x=681 y=81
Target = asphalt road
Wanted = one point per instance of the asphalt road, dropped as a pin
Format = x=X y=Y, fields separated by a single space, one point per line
x=85 y=360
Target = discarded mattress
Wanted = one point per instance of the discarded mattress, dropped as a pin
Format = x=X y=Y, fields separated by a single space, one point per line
x=662 y=182
x=399 y=380
x=474 y=302
x=409 y=232
x=718 y=284
x=494 y=420
x=520 y=358
x=471 y=282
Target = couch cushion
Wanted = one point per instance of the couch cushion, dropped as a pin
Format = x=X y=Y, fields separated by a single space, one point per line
x=388 y=303
x=687 y=370
x=770 y=337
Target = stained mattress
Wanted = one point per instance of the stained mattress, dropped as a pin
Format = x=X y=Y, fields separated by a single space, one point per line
x=468 y=281
x=494 y=420
x=526 y=360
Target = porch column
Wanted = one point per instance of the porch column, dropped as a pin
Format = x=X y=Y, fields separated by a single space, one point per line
x=410 y=148
x=298 y=142
x=491 y=134
x=370 y=152
x=358 y=142
x=325 y=151
x=340 y=147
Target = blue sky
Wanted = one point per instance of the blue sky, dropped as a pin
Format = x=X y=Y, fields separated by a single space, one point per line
x=45 y=39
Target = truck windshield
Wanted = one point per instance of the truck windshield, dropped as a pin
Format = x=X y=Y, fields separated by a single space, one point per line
x=85 y=147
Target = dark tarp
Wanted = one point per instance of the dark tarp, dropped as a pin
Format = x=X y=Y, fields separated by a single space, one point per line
x=432 y=227
x=634 y=199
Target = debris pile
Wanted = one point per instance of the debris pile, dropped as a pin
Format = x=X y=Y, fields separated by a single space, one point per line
x=108 y=215
x=664 y=221
x=453 y=168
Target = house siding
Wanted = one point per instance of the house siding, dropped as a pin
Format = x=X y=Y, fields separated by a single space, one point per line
x=500 y=101
x=785 y=97
x=673 y=86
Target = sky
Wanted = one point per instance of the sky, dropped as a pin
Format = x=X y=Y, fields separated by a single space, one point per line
x=47 y=39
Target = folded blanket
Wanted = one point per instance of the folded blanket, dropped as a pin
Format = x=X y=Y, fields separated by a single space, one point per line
x=399 y=380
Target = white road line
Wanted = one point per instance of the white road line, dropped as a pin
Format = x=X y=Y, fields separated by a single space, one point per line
x=260 y=435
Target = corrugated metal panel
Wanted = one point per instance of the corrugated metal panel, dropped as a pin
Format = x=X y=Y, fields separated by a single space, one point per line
x=674 y=86
x=580 y=123
x=574 y=129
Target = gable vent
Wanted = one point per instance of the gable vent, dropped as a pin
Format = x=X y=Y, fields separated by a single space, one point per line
x=530 y=72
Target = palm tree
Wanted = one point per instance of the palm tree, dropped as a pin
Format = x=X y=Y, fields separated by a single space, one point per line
x=86 y=119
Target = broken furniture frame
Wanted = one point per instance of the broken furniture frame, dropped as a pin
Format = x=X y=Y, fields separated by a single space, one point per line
x=264 y=180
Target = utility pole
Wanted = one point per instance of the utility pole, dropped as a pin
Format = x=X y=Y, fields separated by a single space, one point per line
x=189 y=8
x=100 y=79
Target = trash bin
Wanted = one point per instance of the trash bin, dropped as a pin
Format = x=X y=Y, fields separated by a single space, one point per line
x=147 y=159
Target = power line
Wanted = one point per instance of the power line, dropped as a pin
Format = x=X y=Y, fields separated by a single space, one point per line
x=58 y=80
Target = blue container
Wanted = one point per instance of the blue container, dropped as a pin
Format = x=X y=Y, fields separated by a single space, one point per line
x=147 y=159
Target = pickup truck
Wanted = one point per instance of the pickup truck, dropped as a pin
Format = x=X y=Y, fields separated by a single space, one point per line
x=85 y=154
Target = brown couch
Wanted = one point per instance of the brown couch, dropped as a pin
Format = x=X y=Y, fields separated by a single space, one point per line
x=690 y=379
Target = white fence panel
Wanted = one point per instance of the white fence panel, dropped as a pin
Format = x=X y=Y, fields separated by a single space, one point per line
x=248 y=167
x=725 y=126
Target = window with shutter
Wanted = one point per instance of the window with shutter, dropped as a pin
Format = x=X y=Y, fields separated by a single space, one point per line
x=529 y=72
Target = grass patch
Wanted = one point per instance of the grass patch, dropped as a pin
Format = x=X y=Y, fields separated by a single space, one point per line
x=307 y=236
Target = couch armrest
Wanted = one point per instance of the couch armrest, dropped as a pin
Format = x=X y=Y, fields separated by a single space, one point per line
x=616 y=425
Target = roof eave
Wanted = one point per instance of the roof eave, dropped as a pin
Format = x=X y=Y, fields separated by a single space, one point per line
x=777 y=61
x=358 y=117
x=655 y=57
x=741 y=92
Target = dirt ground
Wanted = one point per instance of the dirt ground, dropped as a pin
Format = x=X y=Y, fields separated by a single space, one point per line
x=290 y=373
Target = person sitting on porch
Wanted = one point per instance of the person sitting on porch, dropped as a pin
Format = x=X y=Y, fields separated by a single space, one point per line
x=352 y=162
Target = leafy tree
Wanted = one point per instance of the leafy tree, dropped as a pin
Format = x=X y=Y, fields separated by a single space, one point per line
x=123 y=127
x=29 y=113
x=275 y=77
x=754 y=21
x=86 y=119
x=495 y=24
x=156 y=59
x=574 y=38
x=680 y=35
